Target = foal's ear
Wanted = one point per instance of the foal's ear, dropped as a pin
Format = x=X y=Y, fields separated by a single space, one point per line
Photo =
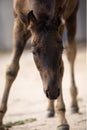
x=28 y=19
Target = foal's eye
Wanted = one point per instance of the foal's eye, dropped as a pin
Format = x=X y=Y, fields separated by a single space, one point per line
x=36 y=52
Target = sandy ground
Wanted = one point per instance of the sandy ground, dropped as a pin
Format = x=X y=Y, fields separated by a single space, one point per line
x=27 y=99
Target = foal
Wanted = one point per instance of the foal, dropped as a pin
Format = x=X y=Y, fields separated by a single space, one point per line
x=41 y=20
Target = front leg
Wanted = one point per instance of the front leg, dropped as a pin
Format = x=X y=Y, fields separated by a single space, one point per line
x=60 y=109
x=19 y=39
x=50 y=109
x=71 y=55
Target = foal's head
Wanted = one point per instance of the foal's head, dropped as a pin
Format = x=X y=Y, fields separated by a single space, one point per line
x=47 y=52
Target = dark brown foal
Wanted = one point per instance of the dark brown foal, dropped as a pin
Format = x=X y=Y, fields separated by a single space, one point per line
x=43 y=22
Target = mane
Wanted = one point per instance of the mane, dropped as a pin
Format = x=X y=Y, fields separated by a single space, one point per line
x=42 y=23
x=46 y=26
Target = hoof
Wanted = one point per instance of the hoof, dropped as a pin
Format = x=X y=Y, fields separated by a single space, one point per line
x=50 y=113
x=74 y=109
x=63 y=127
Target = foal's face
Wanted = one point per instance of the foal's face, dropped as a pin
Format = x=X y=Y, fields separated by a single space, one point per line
x=47 y=53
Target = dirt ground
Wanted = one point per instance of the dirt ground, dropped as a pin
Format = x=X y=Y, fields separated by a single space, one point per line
x=27 y=99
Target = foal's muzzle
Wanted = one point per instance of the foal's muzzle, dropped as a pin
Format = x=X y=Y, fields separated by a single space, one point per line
x=53 y=93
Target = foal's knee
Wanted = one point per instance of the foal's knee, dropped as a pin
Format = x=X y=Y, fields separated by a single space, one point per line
x=11 y=71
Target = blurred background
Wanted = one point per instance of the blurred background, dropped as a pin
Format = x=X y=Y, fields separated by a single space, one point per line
x=6 y=23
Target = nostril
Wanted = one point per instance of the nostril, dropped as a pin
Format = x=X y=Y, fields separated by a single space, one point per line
x=47 y=93
x=53 y=94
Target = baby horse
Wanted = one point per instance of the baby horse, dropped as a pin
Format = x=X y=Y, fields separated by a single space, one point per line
x=43 y=22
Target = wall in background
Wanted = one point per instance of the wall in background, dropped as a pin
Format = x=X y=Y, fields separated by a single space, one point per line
x=6 y=23
x=81 y=21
